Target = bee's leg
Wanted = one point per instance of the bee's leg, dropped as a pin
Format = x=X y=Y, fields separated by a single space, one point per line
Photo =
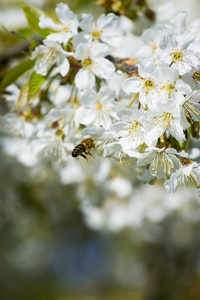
x=91 y=154
x=84 y=156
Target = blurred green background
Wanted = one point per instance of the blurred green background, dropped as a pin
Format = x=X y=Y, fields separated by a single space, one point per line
x=85 y=240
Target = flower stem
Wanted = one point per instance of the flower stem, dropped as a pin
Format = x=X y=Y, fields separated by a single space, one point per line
x=188 y=139
x=133 y=100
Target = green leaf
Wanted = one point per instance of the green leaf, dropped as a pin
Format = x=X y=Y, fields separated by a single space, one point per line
x=33 y=14
x=14 y=33
x=16 y=72
x=35 y=82
x=23 y=96
x=196 y=124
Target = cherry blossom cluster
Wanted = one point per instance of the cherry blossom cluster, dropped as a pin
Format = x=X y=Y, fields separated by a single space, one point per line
x=142 y=110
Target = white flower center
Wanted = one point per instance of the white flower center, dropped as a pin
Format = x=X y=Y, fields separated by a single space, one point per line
x=177 y=56
x=49 y=56
x=96 y=34
x=164 y=119
x=162 y=161
x=148 y=85
x=87 y=63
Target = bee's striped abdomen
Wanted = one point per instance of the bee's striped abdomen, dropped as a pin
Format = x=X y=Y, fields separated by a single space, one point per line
x=78 y=150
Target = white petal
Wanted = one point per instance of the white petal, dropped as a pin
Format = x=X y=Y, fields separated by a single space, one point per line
x=192 y=58
x=41 y=67
x=82 y=51
x=105 y=21
x=144 y=51
x=81 y=38
x=165 y=73
x=178 y=20
x=126 y=114
x=195 y=47
x=172 y=184
x=132 y=85
x=95 y=130
x=111 y=38
x=196 y=96
x=103 y=68
x=182 y=154
x=64 y=13
x=37 y=51
x=87 y=24
x=84 y=79
x=111 y=148
x=145 y=67
x=147 y=177
x=187 y=170
x=99 y=50
x=165 y=11
x=185 y=38
x=64 y=67
x=153 y=134
x=182 y=67
x=106 y=95
x=117 y=127
x=183 y=87
x=58 y=112
x=84 y=116
x=45 y=22
x=167 y=43
x=88 y=97
x=146 y=158
x=60 y=37
x=176 y=131
x=132 y=152
x=175 y=160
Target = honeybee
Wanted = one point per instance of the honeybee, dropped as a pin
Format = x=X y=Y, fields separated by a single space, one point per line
x=84 y=148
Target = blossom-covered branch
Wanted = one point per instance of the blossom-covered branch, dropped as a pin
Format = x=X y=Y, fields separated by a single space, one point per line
x=141 y=110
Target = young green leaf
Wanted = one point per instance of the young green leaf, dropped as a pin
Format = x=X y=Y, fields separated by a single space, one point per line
x=16 y=72
x=33 y=14
x=35 y=82
x=196 y=124
x=23 y=96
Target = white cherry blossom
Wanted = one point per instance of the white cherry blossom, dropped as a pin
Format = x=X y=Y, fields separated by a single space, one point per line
x=64 y=114
x=130 y=128
x=139 y=107
x=191 y=108
x=167 y=117
x=98 y=108
x=101 y=136
x=176 y=52
x=106 y=29
x=17 y=125
x=93 y=63
x=12 y=96
x=153 y=36
x=48 y=55
x=162 y=161
x=143 y=84
x=116 y=150
x=147 y=177
x=51 y=145
x=63 y=30
x=169 y=88
x=187 y=176
x=150 y=40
